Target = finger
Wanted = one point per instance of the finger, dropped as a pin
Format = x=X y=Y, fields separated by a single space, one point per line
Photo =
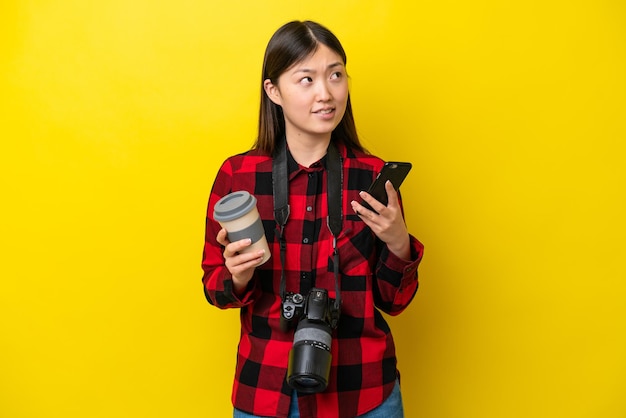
x=222 y=237
x=253 y=262
x=374 y=204
x=359 y=209
x=370 y=218
x=392 y=194
x=245 y=261
x=237 y=246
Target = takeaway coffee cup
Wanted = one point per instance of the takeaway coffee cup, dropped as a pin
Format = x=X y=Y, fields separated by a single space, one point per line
x=237 y=214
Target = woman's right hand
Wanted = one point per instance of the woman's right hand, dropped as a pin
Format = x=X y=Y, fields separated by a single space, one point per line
x=240 y=265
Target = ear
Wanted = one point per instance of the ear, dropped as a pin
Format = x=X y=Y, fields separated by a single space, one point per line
x=272 y=92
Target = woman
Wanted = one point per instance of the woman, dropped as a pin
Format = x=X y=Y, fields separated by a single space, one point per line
x=324 y=243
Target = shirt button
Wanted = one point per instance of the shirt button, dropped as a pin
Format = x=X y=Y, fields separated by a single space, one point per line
x=309 y=208
x=306 y=240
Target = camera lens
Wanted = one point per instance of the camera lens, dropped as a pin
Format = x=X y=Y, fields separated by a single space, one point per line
x=310 y=358
x=308 y=382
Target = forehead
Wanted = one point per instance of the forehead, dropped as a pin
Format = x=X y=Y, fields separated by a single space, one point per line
x=321 y=58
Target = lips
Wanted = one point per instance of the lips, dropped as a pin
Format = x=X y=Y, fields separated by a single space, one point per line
x=325 y=111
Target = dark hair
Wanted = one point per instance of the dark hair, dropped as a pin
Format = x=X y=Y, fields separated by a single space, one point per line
x=290 y=44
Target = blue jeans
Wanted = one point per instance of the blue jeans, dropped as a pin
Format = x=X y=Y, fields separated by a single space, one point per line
x=391 y=408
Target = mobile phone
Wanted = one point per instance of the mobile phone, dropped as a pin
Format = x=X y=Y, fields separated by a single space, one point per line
x=394 y=171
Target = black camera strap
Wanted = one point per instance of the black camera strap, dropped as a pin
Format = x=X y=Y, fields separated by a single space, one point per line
x=280 y=184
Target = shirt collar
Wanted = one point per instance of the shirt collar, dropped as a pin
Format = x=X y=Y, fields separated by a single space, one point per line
x=295 y=168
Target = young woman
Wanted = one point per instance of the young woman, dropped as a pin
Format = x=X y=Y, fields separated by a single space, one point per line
x=335 y=264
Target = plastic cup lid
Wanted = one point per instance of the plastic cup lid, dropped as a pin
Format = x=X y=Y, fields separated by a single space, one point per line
x=233 y=206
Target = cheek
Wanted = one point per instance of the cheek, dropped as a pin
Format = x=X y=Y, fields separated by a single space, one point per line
x=295 y=99
x=341 y=94
x=344 y=102
x=291 y=104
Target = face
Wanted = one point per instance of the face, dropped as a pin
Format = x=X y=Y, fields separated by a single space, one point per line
x=313 y=94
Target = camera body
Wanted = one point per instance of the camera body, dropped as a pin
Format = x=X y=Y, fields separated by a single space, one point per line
x=317 y=306
x=310 y=358
x=292 y=309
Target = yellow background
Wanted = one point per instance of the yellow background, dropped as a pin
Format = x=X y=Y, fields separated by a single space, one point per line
x=115 y=117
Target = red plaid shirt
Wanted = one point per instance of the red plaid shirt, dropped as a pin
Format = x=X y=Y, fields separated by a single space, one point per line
x=372 y=279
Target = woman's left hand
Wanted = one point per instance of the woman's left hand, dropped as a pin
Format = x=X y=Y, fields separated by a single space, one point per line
x=388 y=224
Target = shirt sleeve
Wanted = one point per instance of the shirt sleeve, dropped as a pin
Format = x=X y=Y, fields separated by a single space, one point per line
x=396 y=279
x=217 y=280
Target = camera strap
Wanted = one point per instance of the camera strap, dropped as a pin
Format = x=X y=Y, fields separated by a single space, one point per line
x=280 y=185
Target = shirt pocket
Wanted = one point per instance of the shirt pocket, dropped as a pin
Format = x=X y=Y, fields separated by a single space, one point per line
x=356 y=247
x=356 y=253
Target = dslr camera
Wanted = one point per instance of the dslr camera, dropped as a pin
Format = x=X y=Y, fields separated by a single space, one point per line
x=309 y=358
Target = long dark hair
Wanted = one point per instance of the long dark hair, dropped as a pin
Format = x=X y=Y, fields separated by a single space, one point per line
x=290 y=44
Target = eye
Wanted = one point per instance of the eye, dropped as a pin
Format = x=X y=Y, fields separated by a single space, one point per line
x=336 y=75
x=306 y=80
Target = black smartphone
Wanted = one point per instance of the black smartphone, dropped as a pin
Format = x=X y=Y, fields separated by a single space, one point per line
x=394 y=171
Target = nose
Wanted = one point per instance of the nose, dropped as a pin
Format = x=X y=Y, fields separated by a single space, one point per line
x=323 y=92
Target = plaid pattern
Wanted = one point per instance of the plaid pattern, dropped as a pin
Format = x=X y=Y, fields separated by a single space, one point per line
x=372 y=279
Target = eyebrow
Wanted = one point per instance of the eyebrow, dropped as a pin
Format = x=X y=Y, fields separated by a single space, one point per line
x=328 y=67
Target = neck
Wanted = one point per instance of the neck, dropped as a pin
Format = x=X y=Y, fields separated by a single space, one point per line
x=307 y=150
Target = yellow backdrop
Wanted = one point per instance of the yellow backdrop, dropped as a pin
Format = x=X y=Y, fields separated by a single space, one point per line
x=116 y=115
